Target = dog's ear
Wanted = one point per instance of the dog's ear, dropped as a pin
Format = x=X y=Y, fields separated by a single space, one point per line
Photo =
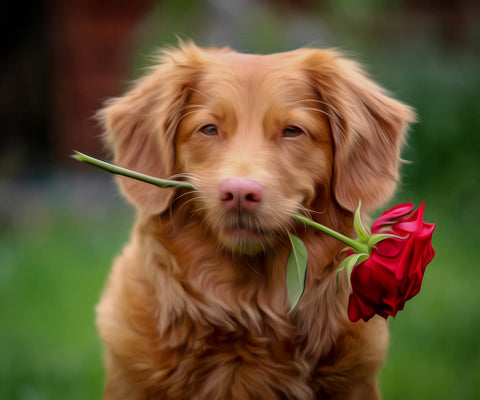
x=368 y=129
x=140 y=126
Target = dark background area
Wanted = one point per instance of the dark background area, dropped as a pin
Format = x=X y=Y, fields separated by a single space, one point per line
x=61 y=223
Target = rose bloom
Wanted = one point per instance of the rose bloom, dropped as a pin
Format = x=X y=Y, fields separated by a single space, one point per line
x=394 y=271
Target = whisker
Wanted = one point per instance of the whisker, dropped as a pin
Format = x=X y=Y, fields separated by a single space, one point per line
x=196 y=91
x=189 y=200
x=186 y=115
x=253 y=269
x=318 y=110
x=334 y=108
x=189 y=106
x=193 y=200
x=187 y=175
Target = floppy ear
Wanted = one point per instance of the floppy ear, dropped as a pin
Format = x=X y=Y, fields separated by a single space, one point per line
x=140 y=126
x=368 y=129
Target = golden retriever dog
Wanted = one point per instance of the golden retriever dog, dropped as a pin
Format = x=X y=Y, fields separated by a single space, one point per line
x=196 y=305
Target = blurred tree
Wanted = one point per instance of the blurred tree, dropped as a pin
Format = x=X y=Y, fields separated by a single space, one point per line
x=61 y=60
x=451 y=19
x=92 y=42
x=24 y=81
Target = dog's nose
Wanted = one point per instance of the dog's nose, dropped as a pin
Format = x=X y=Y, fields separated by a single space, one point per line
x=241 y=193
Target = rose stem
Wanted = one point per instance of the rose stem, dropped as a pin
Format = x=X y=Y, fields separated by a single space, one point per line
x=358 y=247
x=166 y=183
x=163 y=183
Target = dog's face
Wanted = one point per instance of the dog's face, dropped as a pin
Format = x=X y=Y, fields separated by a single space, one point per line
x=256 y=142
x=261 y=137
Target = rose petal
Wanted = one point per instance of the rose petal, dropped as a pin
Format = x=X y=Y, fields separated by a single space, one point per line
x=390 y=247
x=358 y=309
x=388 y=217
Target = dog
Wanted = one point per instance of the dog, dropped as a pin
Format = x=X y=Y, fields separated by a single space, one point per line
x=196 y=307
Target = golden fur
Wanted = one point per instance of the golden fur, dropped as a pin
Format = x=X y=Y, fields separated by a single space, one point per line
x=196 y=308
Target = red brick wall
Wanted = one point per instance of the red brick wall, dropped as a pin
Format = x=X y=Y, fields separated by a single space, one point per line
x=92 y=43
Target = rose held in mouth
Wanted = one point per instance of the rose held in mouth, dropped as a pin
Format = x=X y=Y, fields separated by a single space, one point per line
x=385 y=263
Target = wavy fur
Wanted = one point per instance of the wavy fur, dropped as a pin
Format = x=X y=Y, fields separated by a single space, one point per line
x=194 y=309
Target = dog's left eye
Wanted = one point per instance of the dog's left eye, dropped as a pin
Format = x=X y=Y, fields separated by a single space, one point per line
x=209 y=130
x=292 y=132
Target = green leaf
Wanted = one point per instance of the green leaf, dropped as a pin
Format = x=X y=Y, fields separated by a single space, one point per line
x=296 y=270
x=350 y=262
x=362 y=232
x=355 y=259
x=375 y=239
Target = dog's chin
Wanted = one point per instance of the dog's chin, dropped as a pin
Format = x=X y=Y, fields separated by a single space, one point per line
x=244 y=241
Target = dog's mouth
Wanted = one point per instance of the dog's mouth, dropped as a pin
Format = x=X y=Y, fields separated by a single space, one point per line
x=245 y=234
x=242 y=231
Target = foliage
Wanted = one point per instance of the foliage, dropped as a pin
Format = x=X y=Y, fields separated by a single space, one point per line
x=51 y=273
x=51 y=276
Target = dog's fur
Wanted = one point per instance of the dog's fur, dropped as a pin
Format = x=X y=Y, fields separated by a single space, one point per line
x=196 y=307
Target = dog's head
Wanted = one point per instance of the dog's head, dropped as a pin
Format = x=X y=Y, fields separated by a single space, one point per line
x=261 y=137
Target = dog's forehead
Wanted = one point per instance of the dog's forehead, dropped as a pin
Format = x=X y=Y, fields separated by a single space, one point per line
x=251 y=66
x=243 y=60
x=272 y=77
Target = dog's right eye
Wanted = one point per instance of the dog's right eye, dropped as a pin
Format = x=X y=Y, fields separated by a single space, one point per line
x=292 y=132
x=209 y=130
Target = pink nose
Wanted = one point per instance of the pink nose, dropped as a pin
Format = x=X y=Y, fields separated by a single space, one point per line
x=241 y=193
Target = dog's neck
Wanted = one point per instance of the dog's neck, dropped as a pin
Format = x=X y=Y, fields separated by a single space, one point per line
x=247 y=289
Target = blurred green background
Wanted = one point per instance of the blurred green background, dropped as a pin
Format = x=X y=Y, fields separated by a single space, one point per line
x=61 y=224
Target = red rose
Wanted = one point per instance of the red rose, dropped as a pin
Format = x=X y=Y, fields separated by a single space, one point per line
x=394 y=270
x=389 y=271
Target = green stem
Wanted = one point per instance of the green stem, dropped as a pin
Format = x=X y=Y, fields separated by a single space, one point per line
x=166 y=183
x=355 y=245
x=163 y=183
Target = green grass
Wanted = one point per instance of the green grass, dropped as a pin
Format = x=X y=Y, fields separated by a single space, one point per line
x=51 y=276
x=434 y=351
x=50 y=279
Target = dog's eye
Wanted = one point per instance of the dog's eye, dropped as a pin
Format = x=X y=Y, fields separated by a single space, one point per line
x=292 y=132
x=209 y=130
